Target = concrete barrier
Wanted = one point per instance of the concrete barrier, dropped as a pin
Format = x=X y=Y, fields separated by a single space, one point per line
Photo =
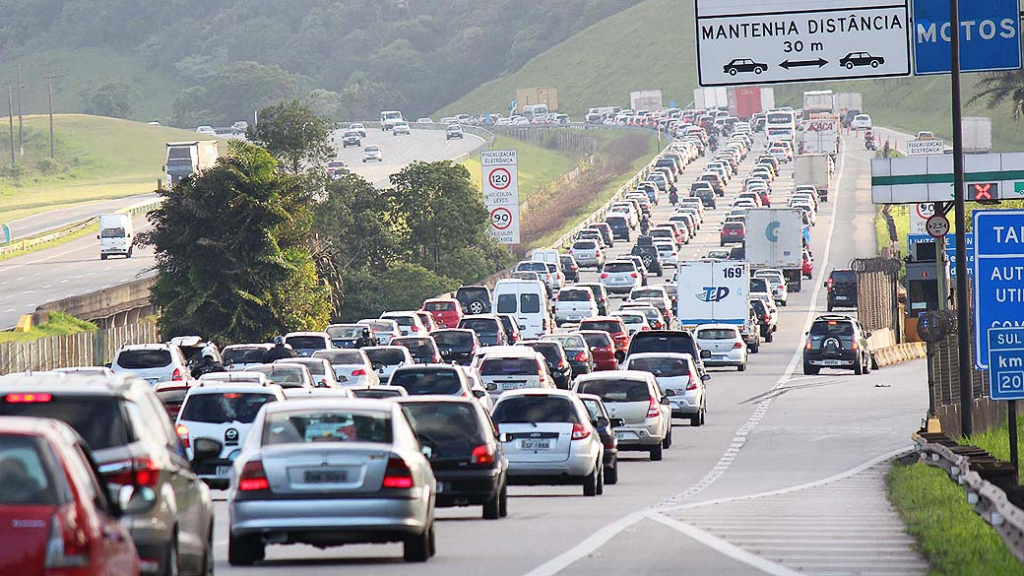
x=114 y=306
x=900 y=353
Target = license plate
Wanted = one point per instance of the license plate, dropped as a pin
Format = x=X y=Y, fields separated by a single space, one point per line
x=719 y=356
x=625 y=435
x=831 y=362
x=840 y=297
x=574 y=317
x=224 y=471
x=325 y=476
x=511 y=385
x=535 y=444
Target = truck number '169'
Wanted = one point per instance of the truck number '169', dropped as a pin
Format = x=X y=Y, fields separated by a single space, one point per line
x=733 y=272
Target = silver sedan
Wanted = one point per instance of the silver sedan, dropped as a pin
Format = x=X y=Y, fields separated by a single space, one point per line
x=328 y=472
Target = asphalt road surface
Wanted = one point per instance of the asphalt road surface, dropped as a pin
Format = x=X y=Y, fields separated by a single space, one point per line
x=75 y=267
x=813 y=447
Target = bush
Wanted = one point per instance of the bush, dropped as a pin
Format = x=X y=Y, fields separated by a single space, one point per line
x=401 y=286
x=48 y=166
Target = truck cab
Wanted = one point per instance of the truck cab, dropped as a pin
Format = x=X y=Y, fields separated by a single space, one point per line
x=116 y=235
x=187 y=158
x=388 y=119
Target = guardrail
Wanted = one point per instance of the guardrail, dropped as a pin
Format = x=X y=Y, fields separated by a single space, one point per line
x=71 y=229
x=969 y=466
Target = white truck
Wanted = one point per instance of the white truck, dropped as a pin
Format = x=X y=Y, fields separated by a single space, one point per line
x=775 y=239
x=116 y=235
x=819 y=101
x=846 y=101
x=814 y=170
x=820 y=135
x=187 y=158
x=705 y=98
x=388 y=119
x=645 y=100
x=713 y=292
x=977 y=134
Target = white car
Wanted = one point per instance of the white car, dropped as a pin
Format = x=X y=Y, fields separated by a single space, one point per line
x=241 y=356
x=574 y=304
x=152 y=362
x=505 y=368
x=387 y=359
x=634 y=321
x=680 y=380
x=383 y=329
x=861 y=122
x=777 y=282
x=319 y=368
x=372 y=152
x=401 y=127
x=558 y=446
x=668 y=252
x=351 y=367
x=357 y=127
x=808 y=209
x=628 y=210
x=620 y=276
x=424 y=120
x=409 y=322
x=206 y=131
x=638 y=400
x=222 y=411
x=724 y=342
x=306 y=343
x=286 y=375
x=254 y=378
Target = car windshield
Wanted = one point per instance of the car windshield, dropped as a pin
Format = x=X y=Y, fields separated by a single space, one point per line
x=385 y=356
x=308 y=426
x=534 y=409
x=244 y=355
x=225 y=407
x=306 y=342
x=617 y=390
x=143 y=359
x=422 y=382
x=23 y=474
x=509 y=367
x=717 y=334
x=667 y=367
x=448 y=428
x=99 y=420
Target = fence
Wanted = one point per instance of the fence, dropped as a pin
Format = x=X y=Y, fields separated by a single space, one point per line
x=564 y=139
x=877 y=293
x=82 y=349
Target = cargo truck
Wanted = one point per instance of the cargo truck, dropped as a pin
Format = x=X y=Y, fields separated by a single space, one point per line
x=707 y=98
x=814 y=170
x=712 y=292
x=187 y=158
x=977 y=134
x=534 y=96
x=645 y=100
x=819 y=101
x=820 y=135
x=745 y=101
x=846 y=101
x=116 y=235
x=775 y=239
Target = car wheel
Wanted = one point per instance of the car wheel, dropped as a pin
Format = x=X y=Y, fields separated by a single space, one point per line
x=858 y=368
x=783 y=303
x=733 y=71
x=742 y=367
x=656 y=453
x=667 y=442
x=811 y=370
x=758 y=70
x=867 y=366
x=874 y=63
x=590 y=482
x=171 y=559
x=874 y=362
x=600 y=478
x=492 y=508
x=703 y=415
x=695 y=420
x=245 y=550
x=476 y=307
x=208 y=554
x=611 y=473
x=417 y=548
x=849 y=65
x=504 y=500
x=770 y=336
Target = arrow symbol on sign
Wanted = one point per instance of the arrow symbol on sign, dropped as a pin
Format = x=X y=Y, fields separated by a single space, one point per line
x=803 y=63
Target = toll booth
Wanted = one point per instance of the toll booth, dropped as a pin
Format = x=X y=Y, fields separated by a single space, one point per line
x=924 y=280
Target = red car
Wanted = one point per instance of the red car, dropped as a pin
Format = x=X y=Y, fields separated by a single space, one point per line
x=808 y=270
x=56 y=514
x=447 y=312
x=615 y=328
x=733 y=232
x=602 y=349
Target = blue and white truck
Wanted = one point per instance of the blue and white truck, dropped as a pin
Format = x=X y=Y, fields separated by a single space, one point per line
x=712 y=291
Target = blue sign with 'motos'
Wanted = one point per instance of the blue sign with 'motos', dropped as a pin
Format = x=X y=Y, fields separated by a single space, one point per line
x=989 y=36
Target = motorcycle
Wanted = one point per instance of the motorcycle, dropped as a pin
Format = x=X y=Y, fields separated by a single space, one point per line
x=673 y=197
x=869 y=142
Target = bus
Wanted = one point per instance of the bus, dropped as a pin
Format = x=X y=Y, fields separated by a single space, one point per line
x=780 y=125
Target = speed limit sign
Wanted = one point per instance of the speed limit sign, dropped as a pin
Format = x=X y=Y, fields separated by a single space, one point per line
x=501 y=218
x=499 y=178
x=500 y=183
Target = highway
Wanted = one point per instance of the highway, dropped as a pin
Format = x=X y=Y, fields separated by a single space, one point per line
x=786 y=478
x=75 y=267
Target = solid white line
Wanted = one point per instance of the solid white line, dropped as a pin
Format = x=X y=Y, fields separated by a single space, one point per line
x=725 y=548
x=586 y=547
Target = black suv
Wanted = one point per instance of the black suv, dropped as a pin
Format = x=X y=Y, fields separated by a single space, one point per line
x=648 y=252
x=167 y=510
x=837 y=341
x=474 y=299
x=678 y=341
x=842 y=289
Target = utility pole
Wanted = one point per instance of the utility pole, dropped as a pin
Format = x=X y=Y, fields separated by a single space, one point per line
x=49 y=83
x=10 y=118
x=21 y=131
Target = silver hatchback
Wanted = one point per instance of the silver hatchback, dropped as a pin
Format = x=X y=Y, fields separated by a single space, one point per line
x=635 y=397
x=329 y=472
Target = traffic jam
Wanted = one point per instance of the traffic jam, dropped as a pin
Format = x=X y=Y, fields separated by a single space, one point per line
x=579 y=369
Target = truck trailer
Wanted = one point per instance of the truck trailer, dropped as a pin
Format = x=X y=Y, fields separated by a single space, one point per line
x=187 y=158
x=712 y=291
x=775 y=239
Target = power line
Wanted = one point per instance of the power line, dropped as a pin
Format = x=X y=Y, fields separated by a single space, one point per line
x=49 y=83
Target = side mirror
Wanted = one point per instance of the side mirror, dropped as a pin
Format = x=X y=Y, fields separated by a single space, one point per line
x=491 y=387
x=97 y=236
x=665 y=401
x=670 y=393
x=477 y=393
x=705 y=354
x=426 y=451
x=705 y=377
x=601 y=422
x=617 y=422
x=505 y=437
x=205 y=449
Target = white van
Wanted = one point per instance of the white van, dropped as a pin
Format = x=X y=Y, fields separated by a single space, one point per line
x=527 y=300
x=389 y=118
x=116 y=235
x=533 y=110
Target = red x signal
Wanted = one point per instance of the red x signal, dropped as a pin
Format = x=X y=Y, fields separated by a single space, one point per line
x=985 y=192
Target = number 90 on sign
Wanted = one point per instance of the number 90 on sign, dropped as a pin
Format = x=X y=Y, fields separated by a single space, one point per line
x=501 y=218
x=499 y=178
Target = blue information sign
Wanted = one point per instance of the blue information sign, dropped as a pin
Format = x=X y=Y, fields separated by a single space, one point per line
x=1006 y=363
x=989 y=36
x=951 y=254
x=998 y=275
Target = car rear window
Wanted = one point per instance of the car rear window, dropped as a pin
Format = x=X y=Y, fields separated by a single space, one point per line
x=386 y=356
x=569 y=342
x=480 y=326
x=142 y=359
x=418 y=347
x=244 y=356
x=609 y=326
x=457 y=341
x=509 y=367
x=617 y=390
x=717 y=334
x=598 y=339
x=735 y=226
x=551 y=352
x=575 y=295
x=642 y=293
x=619 y=267
x=440 y=306
x=307 y=342
x=844 y=276
x=340 y=356
x=472 y=293
x=448 y=428
x=345 y=332
x=832 y=328
x=225 y=407
x=759 y=285
x=661 y=367
x=529 y=409
x=99 y=420
x=423 y=382
x=584 y=245
x=378 y=392
x=172 y=400
x=26 y=480
x=308 y=426
x=283 y=376
x=402 y=320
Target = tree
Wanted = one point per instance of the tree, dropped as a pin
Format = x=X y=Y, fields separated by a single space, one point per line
x=1001 y=87
x=114 y=99
x=354 y=219
x=231 y=253
x=436 y=209
x=294 y=134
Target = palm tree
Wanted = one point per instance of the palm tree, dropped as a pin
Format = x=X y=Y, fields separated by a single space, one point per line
x=1000 y=87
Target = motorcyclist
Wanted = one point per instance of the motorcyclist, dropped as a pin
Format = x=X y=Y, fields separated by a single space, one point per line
x=208 y=363
x=673 y=197
x=279 y=351
x=365 y=339
x=645 y=225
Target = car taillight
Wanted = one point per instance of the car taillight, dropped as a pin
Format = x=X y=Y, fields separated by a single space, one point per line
x=853 y=345
x=253 y=477
x=68 y=544
x=807 y=345
x=691 y=384
x=359 y=372
x=767 y=318
x=633 y=275
x=398 y=474
x=654 y=409
x=182 y=431
x=604 y=275
x=436 y=359
x=27 y=398
x=176 y=375
x=139 y=472
x=482 y=454
x=581 y=357
x=580 y=432
x=414 y=328
x=737 y=345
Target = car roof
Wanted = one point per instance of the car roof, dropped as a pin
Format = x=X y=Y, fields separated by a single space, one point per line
x=508 y=352
x=680 y=355
x=364 y=404
x=552 y=392
x=233 y=387
x=77 y=384
x=50 y=428
x=717 y=326
x=314 y=334
x=614 y=375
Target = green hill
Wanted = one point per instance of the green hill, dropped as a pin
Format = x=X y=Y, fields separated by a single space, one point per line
x=651 y=46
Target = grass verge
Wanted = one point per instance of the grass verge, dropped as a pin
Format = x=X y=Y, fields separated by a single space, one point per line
x=955 y=540
x=997 y=440
x=87 y=231
x=60 y=324
x=537 y=165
